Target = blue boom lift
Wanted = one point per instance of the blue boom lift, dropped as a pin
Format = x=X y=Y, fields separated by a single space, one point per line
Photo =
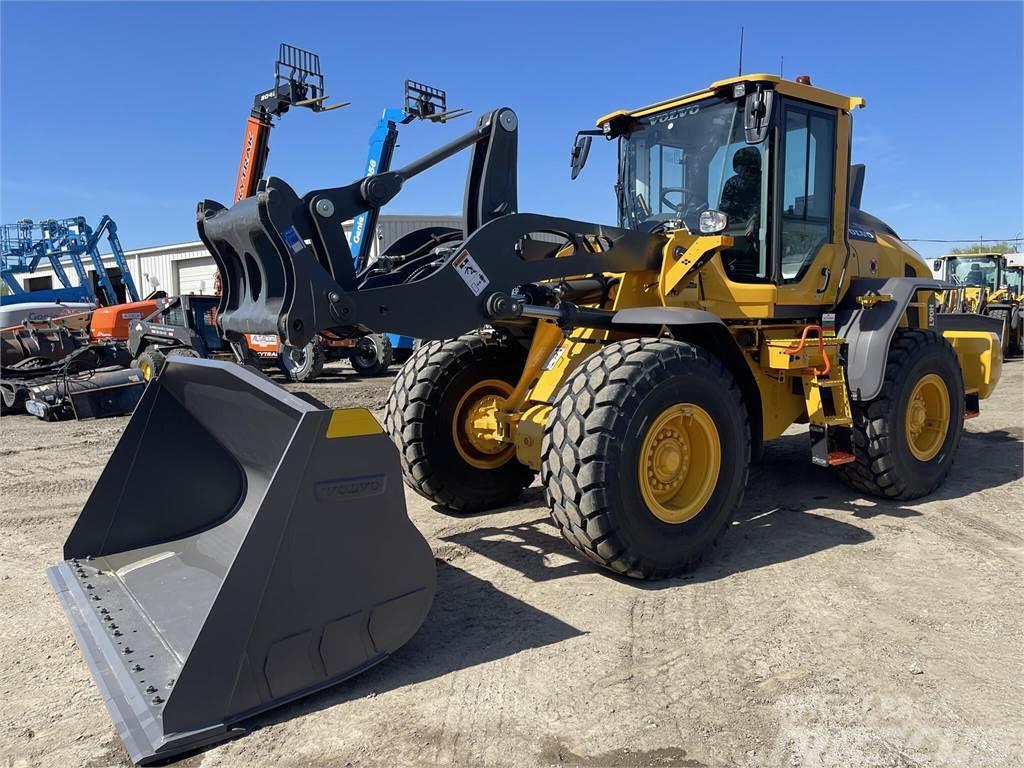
x=26 y=244
x=421 y=102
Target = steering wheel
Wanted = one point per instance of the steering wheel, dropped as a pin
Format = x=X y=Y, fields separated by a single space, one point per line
x=684 y=201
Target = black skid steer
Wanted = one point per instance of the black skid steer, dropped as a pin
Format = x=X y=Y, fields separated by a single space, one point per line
x=287 y=562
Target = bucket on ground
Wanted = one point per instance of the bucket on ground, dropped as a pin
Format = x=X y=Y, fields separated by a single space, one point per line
x=243 y=547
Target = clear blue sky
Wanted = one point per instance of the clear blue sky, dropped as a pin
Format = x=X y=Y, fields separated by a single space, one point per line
x=137 y=110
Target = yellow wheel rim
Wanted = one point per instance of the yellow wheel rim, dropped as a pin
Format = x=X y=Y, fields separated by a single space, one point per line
x=145 y=369
x=475 y=425
x=680 y=461
x=927 y=419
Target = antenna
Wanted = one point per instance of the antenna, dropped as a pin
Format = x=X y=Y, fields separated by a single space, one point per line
x=782 y=61
x=740 y=73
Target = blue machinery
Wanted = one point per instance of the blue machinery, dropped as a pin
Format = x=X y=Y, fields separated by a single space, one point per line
x=421 y=102
x=23 y=246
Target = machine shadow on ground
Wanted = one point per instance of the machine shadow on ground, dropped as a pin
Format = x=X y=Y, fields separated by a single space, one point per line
x=470 y=620
x=778 y=521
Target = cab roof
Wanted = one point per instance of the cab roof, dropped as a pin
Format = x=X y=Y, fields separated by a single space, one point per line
x=785 y=87
x=974 y=255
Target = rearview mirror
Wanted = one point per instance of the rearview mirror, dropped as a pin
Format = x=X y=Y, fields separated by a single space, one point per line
x=757 y=115
x=580 y=152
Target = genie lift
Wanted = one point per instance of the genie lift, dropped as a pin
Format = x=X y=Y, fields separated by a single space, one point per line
x=27 y=244
x=421 y=102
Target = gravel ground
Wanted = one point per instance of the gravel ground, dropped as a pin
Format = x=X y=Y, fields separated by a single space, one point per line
x=830 y=630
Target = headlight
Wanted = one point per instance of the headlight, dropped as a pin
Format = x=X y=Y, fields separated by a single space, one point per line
x=712 y=222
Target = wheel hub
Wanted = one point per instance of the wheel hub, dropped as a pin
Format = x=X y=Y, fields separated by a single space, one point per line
x=481 y=425
x=475 y=428
x=680 y=461
x=928 y=417
x=669 y=461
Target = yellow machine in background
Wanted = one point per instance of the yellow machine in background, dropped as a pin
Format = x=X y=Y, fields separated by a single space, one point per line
x=989 y=284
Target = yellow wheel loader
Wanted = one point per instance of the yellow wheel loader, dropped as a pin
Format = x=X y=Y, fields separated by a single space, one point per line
x=988 y=284
x=638 y=369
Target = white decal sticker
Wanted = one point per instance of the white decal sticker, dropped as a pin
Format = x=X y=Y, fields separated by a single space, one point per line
x=471 y=273
x=556 y=354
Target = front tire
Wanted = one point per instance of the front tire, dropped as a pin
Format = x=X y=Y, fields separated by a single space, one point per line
x=150 y=362
x=428 y=404
x=905 y=439
x=645 y=456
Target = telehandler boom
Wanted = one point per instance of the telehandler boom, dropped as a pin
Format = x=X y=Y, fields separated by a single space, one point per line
x=637 y=368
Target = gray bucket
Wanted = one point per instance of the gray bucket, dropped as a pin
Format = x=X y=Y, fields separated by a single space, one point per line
x=242 y=548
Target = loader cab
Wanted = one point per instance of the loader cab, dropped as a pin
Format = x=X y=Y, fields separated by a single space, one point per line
x=1013 y=280
x=981 y=270
x=774 y=157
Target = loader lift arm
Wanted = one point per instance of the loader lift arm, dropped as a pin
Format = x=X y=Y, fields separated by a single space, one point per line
x=276 y=283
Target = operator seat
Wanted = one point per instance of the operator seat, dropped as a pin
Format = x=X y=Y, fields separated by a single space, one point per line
x=975 y=276
x=741 y=201
x=741 y=195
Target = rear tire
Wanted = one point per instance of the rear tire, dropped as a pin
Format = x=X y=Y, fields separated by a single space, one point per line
x=889 y=461
x=150 y=362
x=421 y=410
x=598 y=440
x=372 y=355
x=305 y=364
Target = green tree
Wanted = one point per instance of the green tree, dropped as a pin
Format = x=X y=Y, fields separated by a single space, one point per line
x=1000 y=247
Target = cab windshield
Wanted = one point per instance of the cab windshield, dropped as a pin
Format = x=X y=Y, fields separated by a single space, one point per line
x=1015 y=279
x=691 y=159
x=982 y=271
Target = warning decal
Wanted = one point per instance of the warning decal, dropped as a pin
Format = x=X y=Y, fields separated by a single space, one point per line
x=470 y=273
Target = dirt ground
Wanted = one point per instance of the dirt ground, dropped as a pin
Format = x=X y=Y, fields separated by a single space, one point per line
x=830 y=630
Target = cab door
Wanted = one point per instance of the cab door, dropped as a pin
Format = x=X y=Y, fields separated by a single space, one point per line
x=808 y=240
x=803 y=223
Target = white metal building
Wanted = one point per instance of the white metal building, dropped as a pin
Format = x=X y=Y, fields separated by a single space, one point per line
x=187 y=268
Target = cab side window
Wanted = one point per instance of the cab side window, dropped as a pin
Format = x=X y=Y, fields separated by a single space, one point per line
x=807 y=187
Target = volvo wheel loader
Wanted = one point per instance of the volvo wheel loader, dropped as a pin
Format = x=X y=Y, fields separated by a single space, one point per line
x=636 y=369
x=985 y=284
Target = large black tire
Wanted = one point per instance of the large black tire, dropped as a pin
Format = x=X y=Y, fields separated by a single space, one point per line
x=305 y=364
x=1006 y=337
x=150 y=362
x=592 y=446
x=372 y=355
x=420 y=412
x=884 y=463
